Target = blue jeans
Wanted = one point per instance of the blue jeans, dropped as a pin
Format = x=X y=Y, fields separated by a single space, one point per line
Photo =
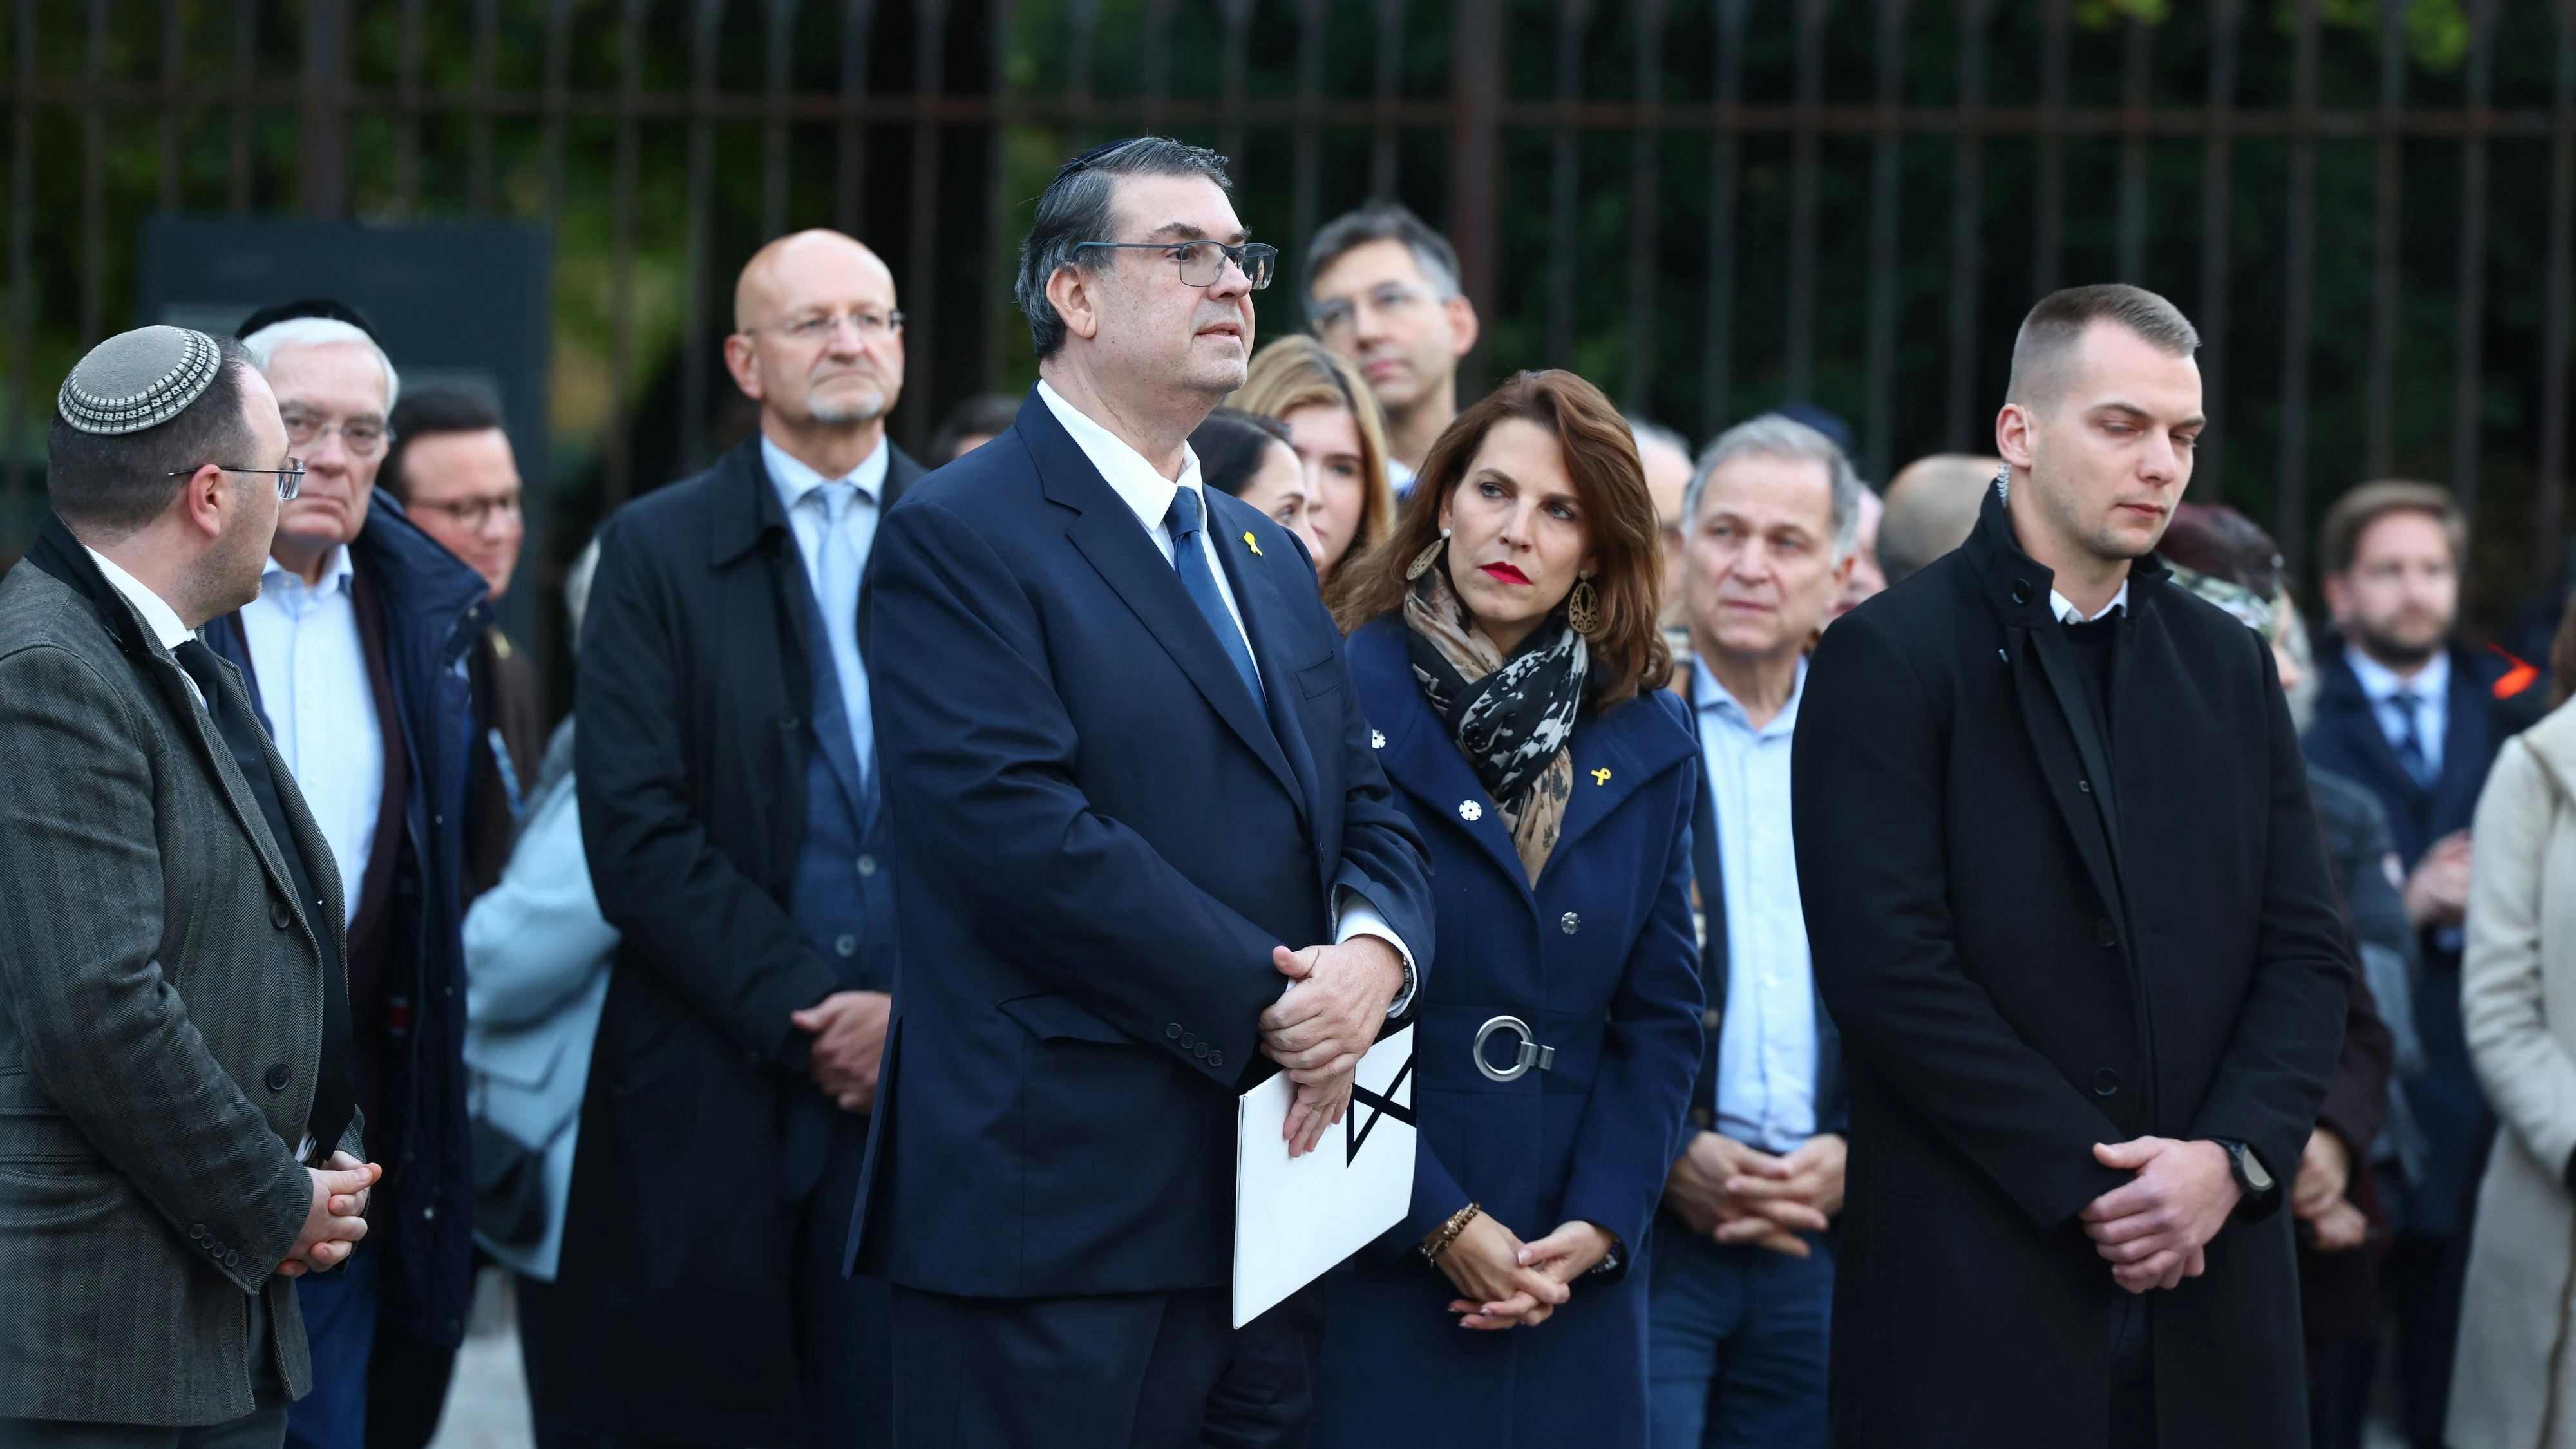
x=340 y=1324
x=1736 y=1343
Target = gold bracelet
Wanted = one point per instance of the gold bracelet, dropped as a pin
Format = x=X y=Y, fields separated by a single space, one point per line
x=1438 y=1243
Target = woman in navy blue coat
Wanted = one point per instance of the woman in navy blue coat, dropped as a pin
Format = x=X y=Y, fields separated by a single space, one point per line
x=1505 y=647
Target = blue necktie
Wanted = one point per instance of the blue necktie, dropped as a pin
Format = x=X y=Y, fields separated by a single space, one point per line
x=1190 y=561
x=2409 y=742
x=836 y=588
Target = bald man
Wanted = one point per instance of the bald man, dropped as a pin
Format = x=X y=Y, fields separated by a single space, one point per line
x=1931 y=508
x=728 y=800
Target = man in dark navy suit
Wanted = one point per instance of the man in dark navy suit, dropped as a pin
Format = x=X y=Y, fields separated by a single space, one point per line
x=1131 y=791
x=2407 y=711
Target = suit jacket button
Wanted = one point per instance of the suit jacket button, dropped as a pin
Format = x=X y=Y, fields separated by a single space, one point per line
x=277 y=913
x=867 y=865
x=1216 y=1059
x=277 y=1075
x=232 y=1257
x=1199 y=1050
x=2021 y=591
x=1173 y=1031
x=2103 y=934
x=1703 y=1117
x=1569 y=923
x=2106 y=1083
x=847 y=945
x=1712 y=1018
x=196 y=1232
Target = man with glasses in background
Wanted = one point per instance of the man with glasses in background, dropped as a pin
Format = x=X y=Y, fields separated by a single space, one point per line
x=350 y=654
x=728 y=793
x=1382 y=290
x=451 y=467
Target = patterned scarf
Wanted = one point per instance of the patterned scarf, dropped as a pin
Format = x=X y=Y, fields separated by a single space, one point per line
x=1510 y=718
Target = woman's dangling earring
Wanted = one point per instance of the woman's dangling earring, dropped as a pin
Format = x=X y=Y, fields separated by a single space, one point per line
x=1583 y=607
x=1422 y=561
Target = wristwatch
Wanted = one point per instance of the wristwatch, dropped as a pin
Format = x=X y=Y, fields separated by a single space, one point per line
x=2251 y=1177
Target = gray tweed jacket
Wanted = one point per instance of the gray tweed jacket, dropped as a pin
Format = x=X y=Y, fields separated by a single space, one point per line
x=160 y=1029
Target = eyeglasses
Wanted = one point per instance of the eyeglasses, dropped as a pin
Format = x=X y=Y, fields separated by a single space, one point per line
x=290 y=479
x=363 y=437
x=1203 y=262
x=471 y=513
x=1336 y=317
x=871 y=326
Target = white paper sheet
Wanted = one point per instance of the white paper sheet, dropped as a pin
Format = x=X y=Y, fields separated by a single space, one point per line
x=1296 y=1218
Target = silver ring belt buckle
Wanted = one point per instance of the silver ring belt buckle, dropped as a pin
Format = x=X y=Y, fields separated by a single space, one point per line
x=1527 y=1055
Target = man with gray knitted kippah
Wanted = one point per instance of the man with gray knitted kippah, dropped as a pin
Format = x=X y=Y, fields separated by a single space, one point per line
x=178 y=1135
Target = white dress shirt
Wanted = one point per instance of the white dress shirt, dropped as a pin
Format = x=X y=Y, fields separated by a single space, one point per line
x=1766 y=1057
x=1142 y=487
x=312 y=671
x=156 y=612
x=2066 y=612
x=2432 y=689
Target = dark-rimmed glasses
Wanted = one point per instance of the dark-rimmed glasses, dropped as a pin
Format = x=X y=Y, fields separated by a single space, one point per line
x=1203 y=262
x=290 y=479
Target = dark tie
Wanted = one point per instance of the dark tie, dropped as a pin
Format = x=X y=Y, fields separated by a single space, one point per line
x=335 y=1091
x=1190 y=560
x=2408 y=743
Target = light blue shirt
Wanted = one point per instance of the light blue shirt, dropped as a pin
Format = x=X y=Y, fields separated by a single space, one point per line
x=796 y=484
x=2432 y=689
x=1766 y=1054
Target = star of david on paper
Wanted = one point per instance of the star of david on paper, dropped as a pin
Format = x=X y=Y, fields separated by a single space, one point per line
x=1354 y=1131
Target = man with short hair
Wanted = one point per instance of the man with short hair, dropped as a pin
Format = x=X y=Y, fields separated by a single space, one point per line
x=1743 y=1275
x=1382 y=290
x=1135 y=799
x=2416 y=717
x=350 y=653
x=1666 y=457
x=1932 y=506
x=730 y=795
x=177 y=1110
x=2090 y=986
x=1867 y=580
x=451 y=468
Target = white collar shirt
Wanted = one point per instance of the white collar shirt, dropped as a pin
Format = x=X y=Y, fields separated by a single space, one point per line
x=2431 y=687
x=311 y=663
x=2065 y=611
x=155 y=611
x=1766 y=1052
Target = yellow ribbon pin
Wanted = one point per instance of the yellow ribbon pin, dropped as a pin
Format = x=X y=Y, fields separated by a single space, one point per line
x=1601 y=777
x=1248 y=543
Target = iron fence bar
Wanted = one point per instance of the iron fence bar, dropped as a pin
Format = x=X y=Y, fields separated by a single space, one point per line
x=2468 y=381
x=326 y=77
x=997 y=207
x=2049 y=195
x=706 y=32
x=1717 y=366
x=2137 y=52
x=1476 y=93
x=858 y=30
x=2290 y=501
x=22 y=271
x=1878 y=425
x=1800 y=382
x=174 y=49
x=1390 y=77
x=1306 y=161
x=1645 y=207
x=921 y=280
x=1082 y=21
x=2217 y=171
x=557 y=82
x=1565 y=163
x=2551 y=505
x=1158 y=62
x=617 y=463
x=1967 y=202
x=781 y=84
x=2387 y=239
x=245 y=72
x=93 y=181
x=1234 y=63
x=407 y=46
x=478 y=160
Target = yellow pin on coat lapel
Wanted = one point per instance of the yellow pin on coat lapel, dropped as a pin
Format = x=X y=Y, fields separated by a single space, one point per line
x=1248 y=543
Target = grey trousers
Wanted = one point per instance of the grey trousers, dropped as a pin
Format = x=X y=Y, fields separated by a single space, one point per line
x=263 y=1428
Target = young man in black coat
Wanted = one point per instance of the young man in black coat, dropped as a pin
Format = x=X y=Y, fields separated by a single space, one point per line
x=2069 y=907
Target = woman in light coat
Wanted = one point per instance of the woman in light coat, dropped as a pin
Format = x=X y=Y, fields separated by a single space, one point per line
x=2515 y=1384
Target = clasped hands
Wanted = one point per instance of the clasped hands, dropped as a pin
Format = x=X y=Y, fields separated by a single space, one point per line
x=1322 y=1025
x=1505 y=1283
x=1733 y=1193
x=2153 y=1229
x=336 y=1220
x=849 y=1031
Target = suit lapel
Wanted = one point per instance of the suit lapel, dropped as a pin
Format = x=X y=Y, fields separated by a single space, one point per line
x=1418 y=756
x=2069 y=750
x=1265 y=602
x=2465 y=746
x=1608 y=768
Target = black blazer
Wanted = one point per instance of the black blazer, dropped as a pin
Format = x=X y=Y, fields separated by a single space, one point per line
x=1101 y=837
x=2036 y=940
x=690 y=761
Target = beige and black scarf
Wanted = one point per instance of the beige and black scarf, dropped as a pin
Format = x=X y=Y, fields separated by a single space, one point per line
x=1511 y=717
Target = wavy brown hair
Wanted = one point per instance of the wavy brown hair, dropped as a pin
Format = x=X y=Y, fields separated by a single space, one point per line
x=1296 y=372
x=1628 y=650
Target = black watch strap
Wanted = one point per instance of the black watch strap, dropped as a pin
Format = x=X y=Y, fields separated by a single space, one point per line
x=2252 y=1178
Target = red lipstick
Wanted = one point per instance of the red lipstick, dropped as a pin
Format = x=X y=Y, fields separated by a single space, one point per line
x=1505 y=573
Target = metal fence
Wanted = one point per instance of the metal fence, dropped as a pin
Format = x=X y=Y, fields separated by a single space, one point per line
x=1708 y=206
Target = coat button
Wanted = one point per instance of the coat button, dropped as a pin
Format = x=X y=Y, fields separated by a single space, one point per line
x=867 y=865
x=847 y=945
x=277 y=913
x=2084 y=785
x=427 y=1213
x=2106 y=1083
x=1712 y=1018
x=232 y=1257
x=1173 y=1031
x=2103 y=934
x=1703 y=1117
x=1216 y=1059
x=1569 y=923
x=2021 y=591
x=196 y=1232
x=1200 y=1050
x=277 y=1077
x=1470 y=811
